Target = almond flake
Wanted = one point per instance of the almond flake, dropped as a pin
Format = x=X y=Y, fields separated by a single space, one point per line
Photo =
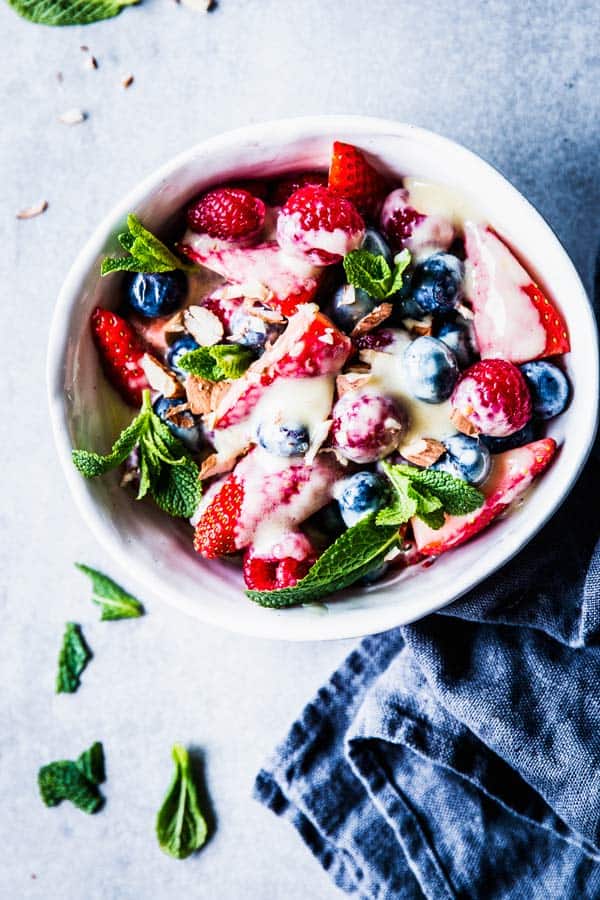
x=420 y=327
x=160 y=378
x=91 y=62
x=219 y=465
x=199 y=5
x=198 y=391
x=174 y=325
x=462 y=424
x=423 y=452
x=127 y=80
x=203 y=325
x=33 y=211
x=72 y=117
x=272 y=316
x=181 y=416
x=351 y=381
x=219 y=389
x=372 y=319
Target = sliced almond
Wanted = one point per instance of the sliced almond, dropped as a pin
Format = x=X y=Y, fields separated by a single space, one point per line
x=419 y=327
x=175 y=324
x=91 y=62
x=462 y=424
x=181 y=416
x=272 y=316
x=127 y=80
x=33 y=211
x=423 y=452
x=219 y=465
x=160 y=378
x=72 y=117
x=372 y=319
x=219 y=389
x=203 y=325
x=351 y=381
x=198 y=391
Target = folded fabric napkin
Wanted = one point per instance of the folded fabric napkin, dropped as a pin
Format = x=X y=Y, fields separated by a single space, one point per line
x=460 y=756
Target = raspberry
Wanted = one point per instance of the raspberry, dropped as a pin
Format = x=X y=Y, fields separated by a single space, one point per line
x=230 y=214
x=283 y=189
x=282 y=566
x=367 y=426
x=493 y=396
x=319 y=226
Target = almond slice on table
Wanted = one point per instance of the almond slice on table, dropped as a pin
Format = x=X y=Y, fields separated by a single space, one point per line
x=203 y=325
x=423 y=452
x=72 y=117
x=31 y=211
x=160 y=378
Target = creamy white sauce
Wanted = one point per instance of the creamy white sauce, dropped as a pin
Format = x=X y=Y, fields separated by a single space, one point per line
x=439 y=200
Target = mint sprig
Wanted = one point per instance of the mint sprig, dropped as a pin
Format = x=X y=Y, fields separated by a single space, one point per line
x=146 y=252
x=372 y=273
x=73 y=658
x=357 y=551
x=221 y=362
x=68 y=12
x=427 y=494
x=167 y=472
x=74 y=781
x=116 y=603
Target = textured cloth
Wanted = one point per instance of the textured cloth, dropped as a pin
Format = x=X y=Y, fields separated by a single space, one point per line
x=460 y=756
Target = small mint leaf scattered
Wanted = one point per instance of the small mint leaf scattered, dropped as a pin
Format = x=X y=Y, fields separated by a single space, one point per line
x=180 y=824
x=91 y=763
x=146 y=252
x=372 y=273
x=115 y=602
x=74 y=781
x=73 y=658
x=68 y=12
x=221 y=362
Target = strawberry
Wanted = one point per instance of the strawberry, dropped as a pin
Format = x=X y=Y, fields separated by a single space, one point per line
x=493 y=395
x=230 y=214
x=255 y=491
x=283 y=189
x=317 y=225
x=511 y=476
x=513 y=317
x=352 y=177
x=283 y=565
x=291 y=284
x=310 y=345
x=120 y=352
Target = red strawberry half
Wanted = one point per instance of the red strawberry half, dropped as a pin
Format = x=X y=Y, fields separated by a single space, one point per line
x=352 y=177
x=317 y=225
x=120 y=352
x=230 y=214
x=513 y=318
x=511 y=476
x=281 y=566
x=310 y=345
x=216 y=530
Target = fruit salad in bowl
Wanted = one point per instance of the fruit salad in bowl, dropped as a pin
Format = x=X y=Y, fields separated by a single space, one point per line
x=336 y=375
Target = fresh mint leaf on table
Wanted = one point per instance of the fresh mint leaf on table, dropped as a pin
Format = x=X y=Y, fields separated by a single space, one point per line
x=372 y=273
x=73 y=658
x=74 y=781
x=180 y=825
x=68 y=12
x=167 y=472
x=220 y=362
x=116 y=603
x=425 y=493
x=146 y=252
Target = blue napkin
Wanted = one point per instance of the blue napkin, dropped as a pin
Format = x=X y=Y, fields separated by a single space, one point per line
x=460 y=756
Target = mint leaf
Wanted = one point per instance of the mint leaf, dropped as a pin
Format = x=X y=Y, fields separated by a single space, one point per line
x=73 y=658
x=428 y=494
x=218 y=363
x=458 y=497
x=147 y=253
x=180 y=825
x=372 y=273
x=160 y=452
x=91 y=763
x=116 y=603
x=429 y=507
x=358 y=550
x=68 y=12
x=74 y=781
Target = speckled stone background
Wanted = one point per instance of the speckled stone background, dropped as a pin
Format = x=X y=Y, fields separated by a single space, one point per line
x=515 y=81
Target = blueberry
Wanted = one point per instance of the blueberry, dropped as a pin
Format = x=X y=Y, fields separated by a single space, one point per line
x=549 y=388
x=525 y=435
x=430 y=368
x=191 y=436
x=456 y=335
x=375 y=243
x=178 y=349
x=361 y=494
x=349 y=305
x=436 y=284
x=252 y=331
x=283 y=439
x=465 y=458
x=156 y=294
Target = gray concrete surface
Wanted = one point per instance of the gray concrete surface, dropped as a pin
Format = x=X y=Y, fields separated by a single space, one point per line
x=517 y=82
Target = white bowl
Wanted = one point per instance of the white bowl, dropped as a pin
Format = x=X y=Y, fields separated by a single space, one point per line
x=157 y=551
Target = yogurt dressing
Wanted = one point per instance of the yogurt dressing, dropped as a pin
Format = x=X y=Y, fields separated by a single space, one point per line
x=439 y=200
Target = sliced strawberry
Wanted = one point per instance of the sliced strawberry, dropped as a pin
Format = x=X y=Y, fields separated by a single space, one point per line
x=310 y=345
x=281 y=565
x=352 y=177
x=256 y=491
x=120 y=352
x=513 y=320
x=511 y=475
x=292 y=282
x=284 y=187
x=230 y=214
x=319 y=226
